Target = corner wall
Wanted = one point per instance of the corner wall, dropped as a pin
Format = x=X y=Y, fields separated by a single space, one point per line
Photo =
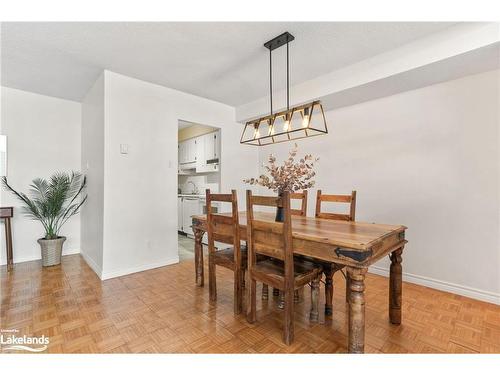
x=92 y=164
x=140 y=188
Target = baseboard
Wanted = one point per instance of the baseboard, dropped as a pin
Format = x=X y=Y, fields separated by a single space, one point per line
x=38 y=257
x=92 y=264
x=445 y=286
x=144 y=267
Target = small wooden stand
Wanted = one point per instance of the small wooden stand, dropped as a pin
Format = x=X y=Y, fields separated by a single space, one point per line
x=7 y=213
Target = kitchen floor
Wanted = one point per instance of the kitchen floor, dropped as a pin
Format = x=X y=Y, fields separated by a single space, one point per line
x=186 y=247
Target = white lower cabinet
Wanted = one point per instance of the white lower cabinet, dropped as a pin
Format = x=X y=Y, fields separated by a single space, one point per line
x=190 y=207
x=179 y=214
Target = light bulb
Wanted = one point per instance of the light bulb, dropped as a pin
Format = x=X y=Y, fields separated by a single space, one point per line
x=286 y=125
x=256 y=134
x=305 y=119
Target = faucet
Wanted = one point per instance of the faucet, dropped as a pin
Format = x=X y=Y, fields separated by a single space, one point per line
x=195 y=188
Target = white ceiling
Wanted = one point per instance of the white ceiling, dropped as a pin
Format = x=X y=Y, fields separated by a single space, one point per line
x=225 y=62
x=187 y=124
x=184 y=124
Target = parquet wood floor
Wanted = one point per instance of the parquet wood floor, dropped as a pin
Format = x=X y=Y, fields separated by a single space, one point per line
x=162 y=311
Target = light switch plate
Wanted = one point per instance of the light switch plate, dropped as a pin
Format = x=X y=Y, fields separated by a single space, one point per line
x=123 y=148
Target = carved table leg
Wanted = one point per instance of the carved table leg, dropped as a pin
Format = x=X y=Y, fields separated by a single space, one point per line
x=356 y=310
x=328 y=291
x=281 y=294
x=296 y=296
x=198 y=256
x=276 y=292
x=281 y=302
x=395 y=286
x=265 y=292
x=347 y=287
x=313 y=316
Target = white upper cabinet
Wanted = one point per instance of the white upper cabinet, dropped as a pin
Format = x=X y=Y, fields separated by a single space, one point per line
x=212 y=147
x=187 y=152
x=202 y=153
x=182 y=152
x=211 y=154
x=191 y=153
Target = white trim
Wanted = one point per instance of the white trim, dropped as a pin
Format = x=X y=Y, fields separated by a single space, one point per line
x=445 y=286
x=92 y=264
x=144 y=267
x=37 y=257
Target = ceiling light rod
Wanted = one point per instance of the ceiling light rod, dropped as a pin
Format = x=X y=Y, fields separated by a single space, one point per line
x=271 y=45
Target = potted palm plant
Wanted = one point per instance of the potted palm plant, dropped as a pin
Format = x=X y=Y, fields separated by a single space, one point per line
x=52 y=202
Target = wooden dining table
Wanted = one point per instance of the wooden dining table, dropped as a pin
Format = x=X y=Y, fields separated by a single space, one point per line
x=350 y=244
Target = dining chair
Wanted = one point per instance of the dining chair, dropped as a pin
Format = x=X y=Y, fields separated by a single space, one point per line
x=303 y=203
x=349 y=199
x=280 y=270
x=298 y=212
x=329 y=269
x=224 y=228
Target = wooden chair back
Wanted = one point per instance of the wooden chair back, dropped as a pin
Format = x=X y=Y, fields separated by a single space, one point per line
x=348 y=199
x=269 y=238
x=303 y=205
x=223 y=227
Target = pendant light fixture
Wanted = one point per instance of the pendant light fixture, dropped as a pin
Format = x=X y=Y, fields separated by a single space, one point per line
x=302 y=121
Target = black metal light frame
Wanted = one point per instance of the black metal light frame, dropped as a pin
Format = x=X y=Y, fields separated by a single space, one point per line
x=251 y=133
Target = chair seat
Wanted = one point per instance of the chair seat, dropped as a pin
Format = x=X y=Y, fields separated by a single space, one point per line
x=274 y=270
x=225 y=257
x=326 y=265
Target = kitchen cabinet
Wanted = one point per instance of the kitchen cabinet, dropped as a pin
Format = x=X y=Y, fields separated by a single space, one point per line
x=211 y=153
x=179 y=214
x=190 y=207
x=187 y=151
x=212 y=146
x=182 y=152
x=201 y=153
x=191 y=153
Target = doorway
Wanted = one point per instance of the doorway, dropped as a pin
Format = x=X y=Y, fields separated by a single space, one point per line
x=199 y=163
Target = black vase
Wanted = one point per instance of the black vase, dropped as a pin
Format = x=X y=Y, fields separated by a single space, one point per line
x=280 y=214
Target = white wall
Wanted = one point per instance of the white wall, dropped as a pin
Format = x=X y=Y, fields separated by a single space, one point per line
x=428 y=159
x=92 y=213
x=140 y=188
x=43 y=137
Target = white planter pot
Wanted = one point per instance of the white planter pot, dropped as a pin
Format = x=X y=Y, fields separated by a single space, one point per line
x=51 y=250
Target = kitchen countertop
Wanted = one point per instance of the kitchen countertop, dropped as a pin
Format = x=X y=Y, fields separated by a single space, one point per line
x=192 y=195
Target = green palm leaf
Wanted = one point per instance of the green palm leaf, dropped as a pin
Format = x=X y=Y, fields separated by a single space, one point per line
x=52 y=202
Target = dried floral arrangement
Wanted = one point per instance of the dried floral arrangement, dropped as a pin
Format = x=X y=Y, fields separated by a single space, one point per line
x=290 y=176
